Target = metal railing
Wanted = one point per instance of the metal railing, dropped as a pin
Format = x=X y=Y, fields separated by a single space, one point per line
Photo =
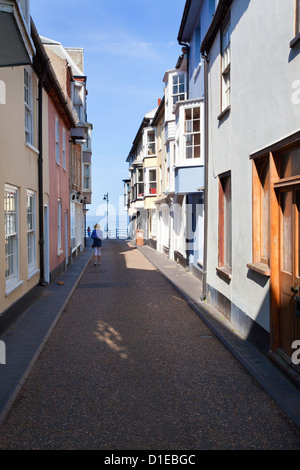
x=116 y=234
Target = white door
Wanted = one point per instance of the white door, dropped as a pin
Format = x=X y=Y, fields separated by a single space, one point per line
x=66 y=239
x=46 y=244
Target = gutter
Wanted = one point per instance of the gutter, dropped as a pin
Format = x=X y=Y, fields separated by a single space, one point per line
x=187 y=52
x=184 y=19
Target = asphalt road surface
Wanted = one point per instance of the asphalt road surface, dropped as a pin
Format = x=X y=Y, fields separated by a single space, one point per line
x=130 y=365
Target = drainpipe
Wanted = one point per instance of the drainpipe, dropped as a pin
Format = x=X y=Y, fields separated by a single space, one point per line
x=187 y=52
x=42 y=281
x=204 y=279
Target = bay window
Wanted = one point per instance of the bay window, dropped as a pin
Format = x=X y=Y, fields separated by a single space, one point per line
x=140 y=183
x=178 y=88
x=152 y=183
x=192 y=132
x=86 y=177
x=151 y=147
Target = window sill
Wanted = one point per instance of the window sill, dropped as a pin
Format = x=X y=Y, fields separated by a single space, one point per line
x=225 y=272
x=189 y=162
x=224 y=113
x=295 y=41
x=33 y=272
x=260 y=268
x=12 y=286
x=31 y=147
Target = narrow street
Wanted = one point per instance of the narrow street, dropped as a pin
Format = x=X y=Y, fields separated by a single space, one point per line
x=130 y=365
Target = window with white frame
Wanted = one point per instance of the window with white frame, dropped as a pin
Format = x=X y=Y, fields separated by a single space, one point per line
x=226 y=60
x=87 y=143
x=140 y=183
x=86 y=177
x=64 y=148
x=151 y=147
x=178 y=91
x=57 y=152
x=192 y=132
x=152 y=182
x=11 y=234
x=78 y=102
x=31 y=230
x=59 y=230
x=28 y=106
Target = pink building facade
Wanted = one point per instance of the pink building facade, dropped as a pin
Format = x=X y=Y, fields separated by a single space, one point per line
x=59 y=207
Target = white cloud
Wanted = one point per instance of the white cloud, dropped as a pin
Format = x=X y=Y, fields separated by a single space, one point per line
x=122 y=43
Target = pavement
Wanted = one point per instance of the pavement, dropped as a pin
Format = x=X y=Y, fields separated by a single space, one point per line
x=26 y=338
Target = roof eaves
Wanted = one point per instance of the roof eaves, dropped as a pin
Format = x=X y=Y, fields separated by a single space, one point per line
x=183 y=20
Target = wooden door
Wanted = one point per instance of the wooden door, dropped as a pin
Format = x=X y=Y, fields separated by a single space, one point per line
x=289 y=311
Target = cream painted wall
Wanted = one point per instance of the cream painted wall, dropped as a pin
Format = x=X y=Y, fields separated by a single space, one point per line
x=19 y=168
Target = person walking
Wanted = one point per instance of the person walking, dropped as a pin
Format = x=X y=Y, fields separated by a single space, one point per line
x=97 y=236
x=89 y=231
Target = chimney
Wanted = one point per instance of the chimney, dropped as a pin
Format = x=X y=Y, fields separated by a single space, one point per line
x=159 y=101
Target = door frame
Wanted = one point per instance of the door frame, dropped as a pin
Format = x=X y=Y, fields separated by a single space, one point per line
x=273 y=154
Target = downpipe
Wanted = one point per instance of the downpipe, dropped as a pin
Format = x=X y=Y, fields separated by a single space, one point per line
x=206 y=147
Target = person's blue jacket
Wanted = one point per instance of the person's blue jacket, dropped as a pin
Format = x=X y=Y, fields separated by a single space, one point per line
x=96 y=236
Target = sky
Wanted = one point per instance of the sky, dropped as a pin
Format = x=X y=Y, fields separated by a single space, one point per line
x=128 y=45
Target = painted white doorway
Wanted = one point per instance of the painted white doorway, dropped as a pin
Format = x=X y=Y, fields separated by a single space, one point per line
x=46 y=244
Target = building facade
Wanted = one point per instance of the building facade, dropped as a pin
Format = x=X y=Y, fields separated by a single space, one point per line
x=142 y=161
x=19 y=184
x=69 y=66
x=38 y=126
x=254 y=171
